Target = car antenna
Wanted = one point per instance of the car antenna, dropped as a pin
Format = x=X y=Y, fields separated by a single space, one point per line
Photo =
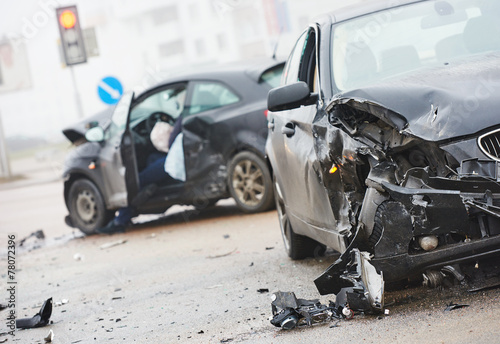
x=277 y=42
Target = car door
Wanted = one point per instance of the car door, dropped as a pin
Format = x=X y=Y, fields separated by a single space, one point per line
x=204 y=134
x=117 y=157
x=129 y=123
x=296 y=166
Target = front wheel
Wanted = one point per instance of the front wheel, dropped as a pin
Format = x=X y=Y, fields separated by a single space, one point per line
x=87 y=209
x=250 y=182
x=297 y=246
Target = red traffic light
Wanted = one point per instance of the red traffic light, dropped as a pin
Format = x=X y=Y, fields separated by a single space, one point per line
x=67 y=19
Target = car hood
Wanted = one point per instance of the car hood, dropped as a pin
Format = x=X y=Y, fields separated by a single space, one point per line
x=76 y=132
x=458 y=99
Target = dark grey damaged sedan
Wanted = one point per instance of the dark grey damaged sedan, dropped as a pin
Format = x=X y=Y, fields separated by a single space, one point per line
x=384 y=143
x=223 y=112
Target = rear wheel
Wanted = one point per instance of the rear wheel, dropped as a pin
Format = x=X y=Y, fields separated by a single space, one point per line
x=296 y=246
x=87 y=209
x=250 y=182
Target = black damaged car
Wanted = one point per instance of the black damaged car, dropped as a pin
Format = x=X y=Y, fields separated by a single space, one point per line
x=224 y=127
x=384 y=143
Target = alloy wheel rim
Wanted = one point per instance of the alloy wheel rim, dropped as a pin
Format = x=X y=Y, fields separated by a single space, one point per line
x=248 y=183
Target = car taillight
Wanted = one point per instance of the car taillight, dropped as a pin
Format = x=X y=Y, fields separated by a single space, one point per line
x=265 y=112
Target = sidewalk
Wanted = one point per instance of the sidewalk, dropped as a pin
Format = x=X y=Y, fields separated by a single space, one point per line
x=33 y=170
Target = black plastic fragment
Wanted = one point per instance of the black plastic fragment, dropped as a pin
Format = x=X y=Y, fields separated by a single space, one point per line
x=37 y=234
x=40 y=319
x=453 y=306
x=290 y=312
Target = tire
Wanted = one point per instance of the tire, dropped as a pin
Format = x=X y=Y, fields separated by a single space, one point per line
x=249 y=182
x=296 y=246
x=378 y=226
x=87 y=209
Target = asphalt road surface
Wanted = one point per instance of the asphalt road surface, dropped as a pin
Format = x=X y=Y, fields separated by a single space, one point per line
x=193 y=277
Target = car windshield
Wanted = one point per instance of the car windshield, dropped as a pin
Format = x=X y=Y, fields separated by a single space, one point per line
x=381 y=45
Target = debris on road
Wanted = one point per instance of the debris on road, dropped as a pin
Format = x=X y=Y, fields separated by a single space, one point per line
x=290 y=312
x=453 y=306
x=38 y=320
x=78 y=257
x=112 y=244
x=37 y=234
x=355 y=282
x=60 y=303
x=50 y=337
x=222 y=255
x=263 y=290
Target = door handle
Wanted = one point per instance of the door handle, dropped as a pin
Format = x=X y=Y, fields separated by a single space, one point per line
x=288 y=129
x=270 y=125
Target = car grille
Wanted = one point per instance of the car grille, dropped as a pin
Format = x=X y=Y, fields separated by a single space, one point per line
x=490 y=144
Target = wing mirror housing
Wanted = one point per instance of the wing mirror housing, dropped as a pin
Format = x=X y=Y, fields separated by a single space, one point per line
x=95 y=134
x=290 y=97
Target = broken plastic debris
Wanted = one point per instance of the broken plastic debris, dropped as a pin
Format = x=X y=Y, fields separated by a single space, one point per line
x=386 y=312
x=60 y=303
x=354 y=281
x=50 y=337
x=38 y=234
x=290 y=312
x=112 y=244
x=222 y=255
x=263 y=290
x=453 y=306
x=40 y=319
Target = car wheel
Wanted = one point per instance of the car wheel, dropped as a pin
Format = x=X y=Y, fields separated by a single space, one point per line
x=86 y=207
x=296 y=246
x=250 y=183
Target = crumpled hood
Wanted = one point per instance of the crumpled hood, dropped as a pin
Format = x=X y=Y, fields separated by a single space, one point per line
x=458 y=99
x=77 y=130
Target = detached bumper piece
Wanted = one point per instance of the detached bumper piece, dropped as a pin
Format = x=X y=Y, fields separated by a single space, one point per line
x=355 y=282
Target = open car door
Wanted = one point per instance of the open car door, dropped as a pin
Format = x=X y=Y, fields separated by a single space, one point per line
x=118 y=161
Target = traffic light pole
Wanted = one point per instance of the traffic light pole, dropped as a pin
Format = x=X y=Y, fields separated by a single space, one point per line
x=78 y=101
x=4 y=157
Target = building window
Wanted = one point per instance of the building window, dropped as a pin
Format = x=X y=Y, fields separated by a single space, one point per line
x=171 y=48
x=164 y=15
x=200 y=46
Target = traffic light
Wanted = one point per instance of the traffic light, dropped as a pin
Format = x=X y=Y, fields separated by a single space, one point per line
x=71 y=35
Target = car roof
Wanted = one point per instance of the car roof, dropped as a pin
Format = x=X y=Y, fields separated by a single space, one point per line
x=359 y=9
x=253 y=69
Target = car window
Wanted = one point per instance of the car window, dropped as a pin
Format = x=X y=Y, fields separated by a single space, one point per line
x=169 y=100
x=291 y=71
x=210 y=95
x=272 y=77
x=119 y=118
x=396 y=41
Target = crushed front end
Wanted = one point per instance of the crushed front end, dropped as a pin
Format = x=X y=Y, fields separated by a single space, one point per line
x=414 y=206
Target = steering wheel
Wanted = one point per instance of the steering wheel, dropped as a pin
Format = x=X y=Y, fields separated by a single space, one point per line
x=158 y=116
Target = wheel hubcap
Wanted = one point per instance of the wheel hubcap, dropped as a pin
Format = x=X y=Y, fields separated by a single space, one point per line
x=86 y=206
x=248 y=183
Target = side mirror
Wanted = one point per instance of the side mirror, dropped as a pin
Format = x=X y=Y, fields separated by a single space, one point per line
x=290 y=97
x=95 y=134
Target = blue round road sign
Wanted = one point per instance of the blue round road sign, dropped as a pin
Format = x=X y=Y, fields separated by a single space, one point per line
x=110 y=90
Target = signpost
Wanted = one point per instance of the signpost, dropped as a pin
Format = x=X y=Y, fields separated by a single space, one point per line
x=110 y=90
